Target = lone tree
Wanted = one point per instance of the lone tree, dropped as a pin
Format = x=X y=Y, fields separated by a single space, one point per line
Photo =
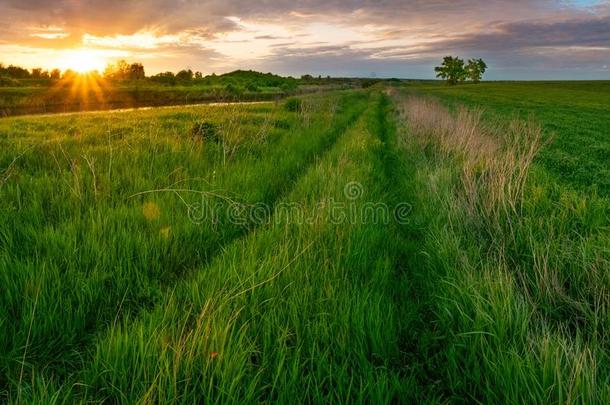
x=475 y=69
x=451 y=70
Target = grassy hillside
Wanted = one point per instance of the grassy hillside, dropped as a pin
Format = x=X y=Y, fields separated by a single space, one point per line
x=357 y=246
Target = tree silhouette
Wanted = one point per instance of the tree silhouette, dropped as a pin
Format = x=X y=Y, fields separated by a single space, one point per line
x=124 y=71
x=55 y=74
x=136 y=71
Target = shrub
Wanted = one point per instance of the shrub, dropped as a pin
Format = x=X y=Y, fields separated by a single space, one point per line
x=164 y=78
x=294 y=104
x=184 y=75
x=289 y=87
x=206 y=131
x=233 y=90
x=369 y=83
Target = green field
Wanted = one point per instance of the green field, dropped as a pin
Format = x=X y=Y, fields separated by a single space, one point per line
x=388 y=245
x=575 y=115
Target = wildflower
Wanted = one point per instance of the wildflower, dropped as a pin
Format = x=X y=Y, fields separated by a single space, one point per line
x=151 y=211
x=165 y=232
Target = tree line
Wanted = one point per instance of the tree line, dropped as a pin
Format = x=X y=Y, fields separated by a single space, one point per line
x=120 y=70
x=454 y=70
x=236 y=82
x=125 y=71
x=17 y=72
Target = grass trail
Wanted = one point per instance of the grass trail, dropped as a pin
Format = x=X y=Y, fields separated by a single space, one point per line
x=406 y=252
x=73 y=293
x=303 y=310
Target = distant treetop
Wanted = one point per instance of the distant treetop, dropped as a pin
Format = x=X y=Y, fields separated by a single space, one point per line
x=454 y=70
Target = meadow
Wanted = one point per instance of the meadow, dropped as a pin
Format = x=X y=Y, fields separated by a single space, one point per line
x=401 y=243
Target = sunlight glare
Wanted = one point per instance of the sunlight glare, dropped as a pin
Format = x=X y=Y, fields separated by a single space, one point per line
x=83 y=61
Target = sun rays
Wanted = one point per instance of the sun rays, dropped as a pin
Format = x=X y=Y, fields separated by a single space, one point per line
x=81 y=83
x=89 y=90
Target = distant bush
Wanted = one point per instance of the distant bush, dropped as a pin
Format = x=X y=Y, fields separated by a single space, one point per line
x=55 y=74
x=14 y=72
x=164 y=78
x=185 y=75
x=244 y=77
x=289 y=87
x=233 y=90
x=206 y=131
x=294 y=104
x=125 y=71
x=369 y=83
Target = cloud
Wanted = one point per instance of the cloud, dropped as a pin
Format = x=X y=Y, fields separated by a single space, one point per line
x=589 y=32
x=111 y=17
x=390 y=37
x=343 y=61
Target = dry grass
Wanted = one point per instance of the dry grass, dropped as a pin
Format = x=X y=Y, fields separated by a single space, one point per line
x=495 y=160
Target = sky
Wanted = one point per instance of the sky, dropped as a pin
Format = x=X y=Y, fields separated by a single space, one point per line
x=519 y=39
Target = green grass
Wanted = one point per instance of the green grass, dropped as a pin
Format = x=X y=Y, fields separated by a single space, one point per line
x=109 y=286
x=575 y=116
x=516 y=301
x=140 y=263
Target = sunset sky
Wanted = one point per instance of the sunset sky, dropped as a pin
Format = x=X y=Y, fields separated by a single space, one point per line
x=520 y=39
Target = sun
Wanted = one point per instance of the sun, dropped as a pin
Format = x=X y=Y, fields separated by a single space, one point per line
x=84 y=60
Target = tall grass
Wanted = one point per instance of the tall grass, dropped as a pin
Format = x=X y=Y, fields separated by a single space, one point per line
x=517 y=279
x=575 y=113
x=496 y=289
x=296 y=311
x=86 y=238
x=495 y=162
